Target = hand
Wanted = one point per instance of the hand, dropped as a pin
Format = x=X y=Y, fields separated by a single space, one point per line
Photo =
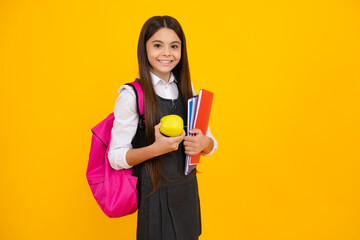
x=197 y=143
x=165 y=144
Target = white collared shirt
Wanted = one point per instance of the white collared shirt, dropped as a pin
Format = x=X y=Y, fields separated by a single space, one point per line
x=126 y=119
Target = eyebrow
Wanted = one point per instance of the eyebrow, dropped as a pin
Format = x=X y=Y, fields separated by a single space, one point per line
x=163 y=42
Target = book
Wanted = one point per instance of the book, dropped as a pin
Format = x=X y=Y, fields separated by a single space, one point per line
x=190 y=119
x=198 y=115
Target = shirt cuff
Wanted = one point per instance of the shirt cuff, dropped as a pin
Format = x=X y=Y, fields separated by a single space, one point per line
x=214 y=148
x=117 y=159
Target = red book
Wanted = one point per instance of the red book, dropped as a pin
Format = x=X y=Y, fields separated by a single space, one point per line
x=202 y=116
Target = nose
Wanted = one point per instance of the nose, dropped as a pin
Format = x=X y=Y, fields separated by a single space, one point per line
x=166 y=51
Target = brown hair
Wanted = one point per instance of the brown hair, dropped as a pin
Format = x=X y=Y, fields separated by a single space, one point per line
x=182 y=75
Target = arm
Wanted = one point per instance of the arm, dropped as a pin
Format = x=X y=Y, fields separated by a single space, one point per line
x=208 y=134
x=124 y=128
x=161 y=146
x=121 y=154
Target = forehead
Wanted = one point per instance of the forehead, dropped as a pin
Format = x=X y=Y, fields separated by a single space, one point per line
x=165 y=35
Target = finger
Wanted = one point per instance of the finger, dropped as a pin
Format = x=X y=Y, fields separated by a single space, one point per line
x=180 y=138
x=183 y=134
x=190 y=153
x=195 y=131
x=189 y=143
x=157 y=129
x=157 y=126
x=189 y=149
x=189 y=138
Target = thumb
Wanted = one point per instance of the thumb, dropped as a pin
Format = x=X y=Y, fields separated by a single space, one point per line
x=195 y=131
x=157 y=127
x=157 y=130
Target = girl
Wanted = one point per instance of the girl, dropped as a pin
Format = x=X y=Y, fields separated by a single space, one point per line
x=168 y=205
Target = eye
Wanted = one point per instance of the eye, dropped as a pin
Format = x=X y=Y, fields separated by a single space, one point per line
x=157 y=45
x=175 y=46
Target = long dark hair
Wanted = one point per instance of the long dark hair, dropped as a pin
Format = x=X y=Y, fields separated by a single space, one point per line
x=181 y=73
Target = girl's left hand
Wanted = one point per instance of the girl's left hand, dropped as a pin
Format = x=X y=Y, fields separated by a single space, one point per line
x=197 y=143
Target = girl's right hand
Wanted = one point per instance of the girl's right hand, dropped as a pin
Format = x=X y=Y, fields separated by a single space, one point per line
x=165 y=144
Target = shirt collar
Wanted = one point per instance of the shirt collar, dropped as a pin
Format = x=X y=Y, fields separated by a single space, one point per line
x=155 y=79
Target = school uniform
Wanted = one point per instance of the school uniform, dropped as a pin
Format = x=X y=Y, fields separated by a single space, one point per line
x=173 y=211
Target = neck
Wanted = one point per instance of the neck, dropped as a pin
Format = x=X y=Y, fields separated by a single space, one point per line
x=163 y=76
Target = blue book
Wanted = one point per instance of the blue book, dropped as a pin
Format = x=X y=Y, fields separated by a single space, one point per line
x=190 y=124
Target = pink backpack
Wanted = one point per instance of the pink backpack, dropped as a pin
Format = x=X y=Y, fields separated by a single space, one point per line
x=114 y=190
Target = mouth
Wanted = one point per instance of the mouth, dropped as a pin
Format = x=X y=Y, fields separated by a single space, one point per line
x=165 y=62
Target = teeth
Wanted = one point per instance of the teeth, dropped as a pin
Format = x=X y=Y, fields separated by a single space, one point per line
x=164 y=61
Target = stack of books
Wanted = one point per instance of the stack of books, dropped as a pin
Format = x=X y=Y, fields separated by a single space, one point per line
x=198 y=116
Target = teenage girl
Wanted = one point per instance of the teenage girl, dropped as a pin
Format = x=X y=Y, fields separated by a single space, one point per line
x=168 y=205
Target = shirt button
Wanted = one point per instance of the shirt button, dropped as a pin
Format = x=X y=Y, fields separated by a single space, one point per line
x=166 y=87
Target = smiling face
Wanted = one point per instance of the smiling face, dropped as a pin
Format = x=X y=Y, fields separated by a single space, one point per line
x=163 y=52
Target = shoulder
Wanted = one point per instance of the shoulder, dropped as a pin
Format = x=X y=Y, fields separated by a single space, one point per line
x=126 y=99
x=126 y=91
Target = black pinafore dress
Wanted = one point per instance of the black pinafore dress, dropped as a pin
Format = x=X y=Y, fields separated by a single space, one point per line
x=173 y=211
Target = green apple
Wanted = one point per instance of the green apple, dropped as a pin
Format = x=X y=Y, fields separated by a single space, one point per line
x=171 y=125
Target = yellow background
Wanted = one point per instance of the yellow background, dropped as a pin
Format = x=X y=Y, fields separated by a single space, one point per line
x=286 y=114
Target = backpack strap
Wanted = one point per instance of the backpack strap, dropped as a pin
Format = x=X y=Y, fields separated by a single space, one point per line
x=139 y=97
